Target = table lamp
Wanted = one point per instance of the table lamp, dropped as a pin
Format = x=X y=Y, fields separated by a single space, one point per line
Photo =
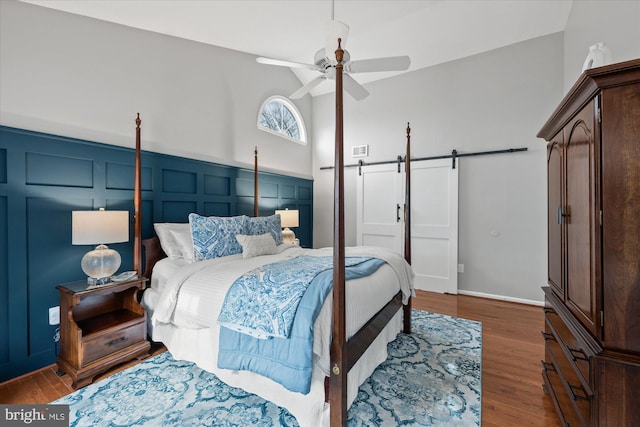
x=288 y=218
x=99 y=228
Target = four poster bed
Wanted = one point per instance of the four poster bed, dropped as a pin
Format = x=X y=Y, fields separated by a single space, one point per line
x=349 y=335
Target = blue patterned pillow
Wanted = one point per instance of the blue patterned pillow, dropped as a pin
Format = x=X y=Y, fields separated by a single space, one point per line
x=215 y=236
x=265 y=224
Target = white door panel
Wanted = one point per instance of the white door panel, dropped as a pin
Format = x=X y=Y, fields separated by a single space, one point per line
x=379 y=193
x=433 y=255
x=431 y=190
x=434 y=225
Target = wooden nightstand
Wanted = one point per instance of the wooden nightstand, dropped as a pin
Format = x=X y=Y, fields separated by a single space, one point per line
x=100 y=327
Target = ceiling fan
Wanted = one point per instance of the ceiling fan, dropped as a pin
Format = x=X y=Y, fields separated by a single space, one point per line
x=324 y=61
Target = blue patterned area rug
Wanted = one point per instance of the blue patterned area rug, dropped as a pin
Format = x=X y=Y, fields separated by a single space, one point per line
x=431 y=378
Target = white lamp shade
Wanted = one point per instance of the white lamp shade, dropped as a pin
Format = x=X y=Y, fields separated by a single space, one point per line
x=96 y=227
x=288 y=218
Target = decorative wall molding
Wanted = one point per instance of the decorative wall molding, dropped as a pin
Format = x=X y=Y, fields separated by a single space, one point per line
x=44 y=177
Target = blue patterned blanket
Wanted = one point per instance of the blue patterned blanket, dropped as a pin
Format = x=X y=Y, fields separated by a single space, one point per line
x=278 y=304
x=263 y=302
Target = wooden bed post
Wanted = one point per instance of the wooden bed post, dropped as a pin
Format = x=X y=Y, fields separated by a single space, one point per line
x=255 y=182
x=407 y=225
x=338 y=381
x=137 y=201
x=344 y=353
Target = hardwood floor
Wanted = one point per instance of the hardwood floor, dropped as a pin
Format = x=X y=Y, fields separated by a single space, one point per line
x=512 y=348
x=511 y=352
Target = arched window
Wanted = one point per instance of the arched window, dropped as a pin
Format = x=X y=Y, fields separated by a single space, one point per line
x=280 y=117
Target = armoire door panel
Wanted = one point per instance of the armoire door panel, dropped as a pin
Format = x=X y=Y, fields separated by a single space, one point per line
x=555 y=215
x=621 y=219
x=580 y=211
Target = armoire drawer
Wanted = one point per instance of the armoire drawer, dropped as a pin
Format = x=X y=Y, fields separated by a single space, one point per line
x=571 y=393
x=574 y=348
x=555 y=388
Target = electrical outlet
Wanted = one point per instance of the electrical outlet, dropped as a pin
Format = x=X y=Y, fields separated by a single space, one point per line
x=54 y=315
x=460 y=268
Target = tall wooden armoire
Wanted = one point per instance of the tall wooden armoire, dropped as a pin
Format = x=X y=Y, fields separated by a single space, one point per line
x=592 y=304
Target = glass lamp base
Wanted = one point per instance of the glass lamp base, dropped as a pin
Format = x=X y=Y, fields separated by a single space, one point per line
x=100 y=264
x=288 y=236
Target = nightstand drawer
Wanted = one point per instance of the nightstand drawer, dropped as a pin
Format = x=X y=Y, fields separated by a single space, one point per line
x=109 y=343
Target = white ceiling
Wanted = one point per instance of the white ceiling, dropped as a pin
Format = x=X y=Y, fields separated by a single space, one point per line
x=429 y=31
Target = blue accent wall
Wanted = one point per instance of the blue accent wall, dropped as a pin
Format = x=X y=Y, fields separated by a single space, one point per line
x=44 y=177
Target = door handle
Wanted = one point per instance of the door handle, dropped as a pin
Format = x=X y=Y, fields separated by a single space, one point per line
x=562 y=216
x=559 y=214
x=398 y=212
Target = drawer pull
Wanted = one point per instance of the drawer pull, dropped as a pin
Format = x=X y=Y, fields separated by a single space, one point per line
x=548 y=310
x=547 y=336
x=577 y=354
x=117 y=341
x=574 y=395
x=547 y=366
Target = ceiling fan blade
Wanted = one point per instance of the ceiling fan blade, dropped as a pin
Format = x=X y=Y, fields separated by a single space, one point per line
x=279 y=62
x=307 y=88
x=354 y=88
x=335 y=30
x=391 y=63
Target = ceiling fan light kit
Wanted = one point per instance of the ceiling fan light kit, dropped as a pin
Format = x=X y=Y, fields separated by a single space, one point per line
x=335 y=30
x=324 y=62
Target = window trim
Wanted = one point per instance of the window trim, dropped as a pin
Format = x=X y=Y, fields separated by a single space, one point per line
x=294 y=112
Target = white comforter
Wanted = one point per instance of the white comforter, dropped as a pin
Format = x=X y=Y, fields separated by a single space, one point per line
x=189 y=301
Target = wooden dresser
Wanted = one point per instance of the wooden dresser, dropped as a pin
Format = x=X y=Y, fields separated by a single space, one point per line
x=592 y=304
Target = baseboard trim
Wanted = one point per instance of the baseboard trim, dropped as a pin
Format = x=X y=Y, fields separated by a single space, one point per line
x=501 y=298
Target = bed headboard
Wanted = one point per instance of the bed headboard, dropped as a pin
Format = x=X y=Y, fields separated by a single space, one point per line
x=152 y=254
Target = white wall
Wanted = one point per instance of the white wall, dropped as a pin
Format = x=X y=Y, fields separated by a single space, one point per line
x=616 y=23
x=495 y=100
x=84 y=78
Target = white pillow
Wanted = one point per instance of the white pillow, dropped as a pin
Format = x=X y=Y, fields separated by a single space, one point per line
x=261 y=244
x=175 y=240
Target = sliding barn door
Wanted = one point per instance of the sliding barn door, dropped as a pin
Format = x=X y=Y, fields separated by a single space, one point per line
x=379 y=207
x=434 y=225
x=434 y=218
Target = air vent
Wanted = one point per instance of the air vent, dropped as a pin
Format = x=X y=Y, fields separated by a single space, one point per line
x=360 y=151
